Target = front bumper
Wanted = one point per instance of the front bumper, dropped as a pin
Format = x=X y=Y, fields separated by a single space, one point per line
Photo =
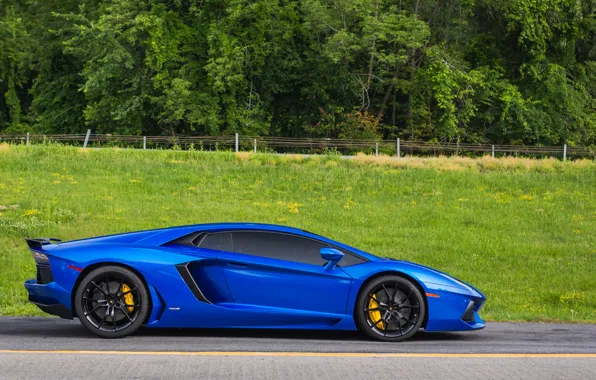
x=454 y=309
x=51 y=298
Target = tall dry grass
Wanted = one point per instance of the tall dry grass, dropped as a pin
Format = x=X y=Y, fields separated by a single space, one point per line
x=485 y=163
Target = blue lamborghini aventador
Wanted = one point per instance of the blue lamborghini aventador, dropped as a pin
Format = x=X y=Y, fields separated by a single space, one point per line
x=243 y=275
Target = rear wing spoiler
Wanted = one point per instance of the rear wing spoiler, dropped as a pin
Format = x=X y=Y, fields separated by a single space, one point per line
x=40 y=242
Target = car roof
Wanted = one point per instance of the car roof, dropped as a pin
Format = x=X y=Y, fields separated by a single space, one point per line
x=161 y=236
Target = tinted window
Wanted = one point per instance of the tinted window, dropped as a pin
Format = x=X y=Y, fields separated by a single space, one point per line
x=278 y=246
x=273 y=245
x=218 y=241
x=349 y=259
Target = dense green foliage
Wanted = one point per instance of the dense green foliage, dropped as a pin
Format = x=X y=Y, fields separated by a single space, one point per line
x=501 y=71
x=521 y=230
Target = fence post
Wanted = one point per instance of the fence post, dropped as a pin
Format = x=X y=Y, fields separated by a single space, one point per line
x=236 y=145
x=376 y=149
x=255 y=147
x=28 y=138
x=493 y=151
x=398 y=149
x=144 y=142
x=565 y=152
x=87 y=138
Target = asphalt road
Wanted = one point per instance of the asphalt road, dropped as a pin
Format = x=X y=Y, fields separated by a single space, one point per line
x=50 y=348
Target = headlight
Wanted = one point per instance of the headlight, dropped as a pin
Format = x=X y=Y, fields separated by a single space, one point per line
x=40 y=258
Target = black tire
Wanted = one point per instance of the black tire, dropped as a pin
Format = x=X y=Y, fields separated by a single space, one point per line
x=400 y=306
x=111 y=301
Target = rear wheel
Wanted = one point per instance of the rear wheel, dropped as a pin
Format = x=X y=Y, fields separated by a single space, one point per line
x=111 y=301
x=390 y=308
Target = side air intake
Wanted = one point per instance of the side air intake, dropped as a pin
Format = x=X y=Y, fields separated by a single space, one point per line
x=190 y=282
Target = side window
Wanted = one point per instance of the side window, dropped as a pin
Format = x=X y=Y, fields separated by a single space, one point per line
x=350 y=259
x=278 y=246
x=221 y=241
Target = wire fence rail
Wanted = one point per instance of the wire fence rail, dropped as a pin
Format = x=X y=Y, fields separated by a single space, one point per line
x=266 y=144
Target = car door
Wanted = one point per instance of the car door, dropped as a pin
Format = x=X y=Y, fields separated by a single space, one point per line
x=277 y=270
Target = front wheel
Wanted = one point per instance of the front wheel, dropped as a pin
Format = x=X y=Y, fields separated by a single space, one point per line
x=111 y=301
x=390 y=308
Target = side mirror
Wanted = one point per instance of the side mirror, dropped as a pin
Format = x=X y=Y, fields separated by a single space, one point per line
x=332 y=256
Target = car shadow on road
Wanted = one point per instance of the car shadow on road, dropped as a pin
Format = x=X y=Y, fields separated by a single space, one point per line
x=59 y=328
x=292 y=334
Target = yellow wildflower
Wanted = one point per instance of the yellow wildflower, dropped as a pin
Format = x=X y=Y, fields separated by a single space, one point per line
x=261 y=204
x=349 y=203
x=31 y=212
x=293 y=207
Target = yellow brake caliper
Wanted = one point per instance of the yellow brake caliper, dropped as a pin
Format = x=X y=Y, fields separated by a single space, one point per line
x=375 y=315
x=128 y=299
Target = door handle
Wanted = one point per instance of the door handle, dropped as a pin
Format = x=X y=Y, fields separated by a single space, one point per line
x=236 y=265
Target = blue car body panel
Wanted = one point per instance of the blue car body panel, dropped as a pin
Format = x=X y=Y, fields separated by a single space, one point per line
x=244 y=291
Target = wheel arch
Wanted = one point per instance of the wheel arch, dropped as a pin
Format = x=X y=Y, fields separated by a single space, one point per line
x=415 y=281
x=91 y=267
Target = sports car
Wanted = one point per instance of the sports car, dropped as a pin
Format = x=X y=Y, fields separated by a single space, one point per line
x=243 y=275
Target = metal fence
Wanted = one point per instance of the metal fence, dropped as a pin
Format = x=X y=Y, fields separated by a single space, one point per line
x=237 y=142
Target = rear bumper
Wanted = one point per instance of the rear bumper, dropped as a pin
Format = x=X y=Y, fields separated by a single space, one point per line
x=51 y=298
x=55 y=309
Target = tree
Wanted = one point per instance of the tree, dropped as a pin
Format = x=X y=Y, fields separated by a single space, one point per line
x=518 y=71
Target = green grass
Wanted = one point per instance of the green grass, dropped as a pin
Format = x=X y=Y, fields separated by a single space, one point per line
x=523 y=231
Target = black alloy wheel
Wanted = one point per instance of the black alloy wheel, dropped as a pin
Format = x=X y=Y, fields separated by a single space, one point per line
x=390 y=308
x=111 y=301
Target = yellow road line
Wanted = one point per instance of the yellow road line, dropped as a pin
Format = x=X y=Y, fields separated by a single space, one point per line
x=297 y=354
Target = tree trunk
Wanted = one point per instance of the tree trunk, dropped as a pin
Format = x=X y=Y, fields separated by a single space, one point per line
x=386 y=98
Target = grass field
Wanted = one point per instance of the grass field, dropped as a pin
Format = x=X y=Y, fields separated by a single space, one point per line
x=523 y=231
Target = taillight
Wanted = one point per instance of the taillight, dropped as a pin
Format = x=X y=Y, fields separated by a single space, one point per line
x=40 y=258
